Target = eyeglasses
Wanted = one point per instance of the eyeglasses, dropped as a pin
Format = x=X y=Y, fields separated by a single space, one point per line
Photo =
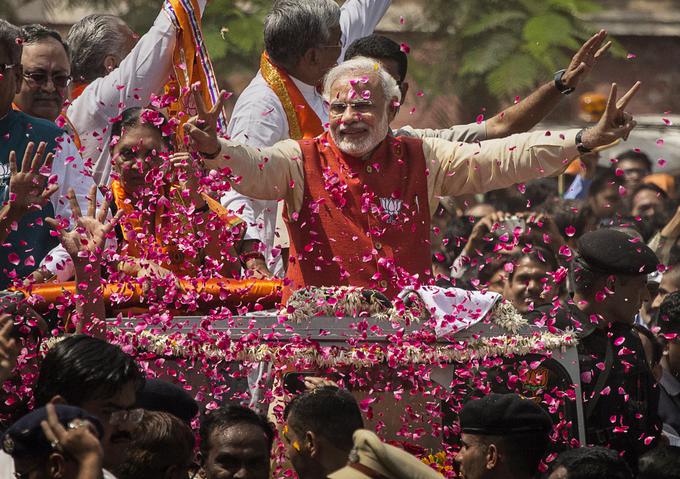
x=60 y=80
x=7 y=66
x=337 y=108
x=131 y=417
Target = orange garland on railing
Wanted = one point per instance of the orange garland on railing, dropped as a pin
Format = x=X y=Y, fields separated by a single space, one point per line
x=222 y=292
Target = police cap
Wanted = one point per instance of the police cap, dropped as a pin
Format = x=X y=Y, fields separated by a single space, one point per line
x=504 y=414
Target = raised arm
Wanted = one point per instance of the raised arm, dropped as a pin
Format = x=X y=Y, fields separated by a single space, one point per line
x=142 y=72
x=457 y=169
x=85 y=244
x=267 y=174
x=527 y=113
x=358 y=19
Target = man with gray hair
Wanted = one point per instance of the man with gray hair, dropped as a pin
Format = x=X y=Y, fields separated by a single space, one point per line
x=111 y=72
x=303 y=40
x=359 y=201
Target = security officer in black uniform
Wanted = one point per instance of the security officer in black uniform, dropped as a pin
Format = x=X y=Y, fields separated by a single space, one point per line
x=620 y=394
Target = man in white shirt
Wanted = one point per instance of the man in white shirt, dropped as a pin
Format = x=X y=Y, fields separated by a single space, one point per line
x=305 y=38
x=112 y=73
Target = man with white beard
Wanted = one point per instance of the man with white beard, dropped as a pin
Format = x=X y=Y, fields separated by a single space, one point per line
x=359 y=201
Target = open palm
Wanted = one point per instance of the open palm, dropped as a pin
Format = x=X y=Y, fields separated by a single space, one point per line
x=89 y=235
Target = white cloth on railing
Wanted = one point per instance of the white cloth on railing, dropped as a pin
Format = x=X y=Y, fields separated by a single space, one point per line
x=454 y=309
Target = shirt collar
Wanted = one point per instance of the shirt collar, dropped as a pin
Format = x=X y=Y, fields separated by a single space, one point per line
x=669 y=383
x=306 y=90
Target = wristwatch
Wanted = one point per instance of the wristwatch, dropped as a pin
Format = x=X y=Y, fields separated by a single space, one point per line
x=579 y=143
x=559 y=84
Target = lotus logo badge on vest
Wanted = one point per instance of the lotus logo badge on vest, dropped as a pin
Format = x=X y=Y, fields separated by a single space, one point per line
x=391 y=207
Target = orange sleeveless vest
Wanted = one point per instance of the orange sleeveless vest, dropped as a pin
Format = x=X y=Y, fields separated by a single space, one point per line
x=362 y=223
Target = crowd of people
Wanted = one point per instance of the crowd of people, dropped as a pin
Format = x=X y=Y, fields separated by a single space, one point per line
x=118 y=166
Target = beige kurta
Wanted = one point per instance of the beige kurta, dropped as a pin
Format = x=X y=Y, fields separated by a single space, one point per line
x=276 y=172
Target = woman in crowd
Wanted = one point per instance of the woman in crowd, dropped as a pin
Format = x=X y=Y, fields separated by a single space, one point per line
x=168 y=225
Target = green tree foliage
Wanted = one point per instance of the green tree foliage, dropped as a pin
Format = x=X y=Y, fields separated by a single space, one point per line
x=492 y=50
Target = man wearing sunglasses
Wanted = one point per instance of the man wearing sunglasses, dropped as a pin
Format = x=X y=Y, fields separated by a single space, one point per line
x=46 y=73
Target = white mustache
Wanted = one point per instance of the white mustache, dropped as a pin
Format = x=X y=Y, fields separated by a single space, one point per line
x=352 y=126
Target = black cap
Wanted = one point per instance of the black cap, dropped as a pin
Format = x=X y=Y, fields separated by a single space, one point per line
x=502 y=415
x=163 y=396
x=614 y=252
x=26 y=438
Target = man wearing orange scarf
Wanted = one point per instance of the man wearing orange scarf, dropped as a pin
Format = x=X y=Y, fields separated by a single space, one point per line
x=303 y=40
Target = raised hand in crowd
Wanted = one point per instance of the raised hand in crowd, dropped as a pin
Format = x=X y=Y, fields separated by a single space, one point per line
x=488 y=224
x=9 y=348
x=27 y=186
x=85 y=244
x=77 y=440
x=202 y=128
x=585 y=59
x=615 y=122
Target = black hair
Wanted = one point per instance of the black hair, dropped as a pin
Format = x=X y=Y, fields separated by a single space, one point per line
x=657 y=347
x=326 y=411
x=538 y=254
x=636 y=156
x=80 y=368
x=230 y=414
x=540 y=190
x=603 y=180
x=132 y=117
x=660 y=463
x=668 y=318
x=593 y=462
x=565 y=213
x=379 y=47
x=651 y=187
x=9 y=34
x=35 y=33
x=522 y=453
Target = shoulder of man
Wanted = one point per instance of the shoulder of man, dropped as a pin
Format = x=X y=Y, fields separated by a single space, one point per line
x=39 y=129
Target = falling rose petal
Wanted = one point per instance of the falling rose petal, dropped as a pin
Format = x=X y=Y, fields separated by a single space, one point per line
x=570 y=231
x=14 y=259
x=405 y=48
x=480 y=119
x=622 y=190
x=661 y=162
x=667 y=121
x=659 y=142
x=630 y=56
x=402 y=20
x=618 y=172
x=619 y=341
x=420 y=94
x=565 y=251
x=30 y=261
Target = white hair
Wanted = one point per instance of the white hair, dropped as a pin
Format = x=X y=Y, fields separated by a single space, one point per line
x=360 y=67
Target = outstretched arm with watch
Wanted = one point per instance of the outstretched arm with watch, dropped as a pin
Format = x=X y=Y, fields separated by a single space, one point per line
x=527 y=113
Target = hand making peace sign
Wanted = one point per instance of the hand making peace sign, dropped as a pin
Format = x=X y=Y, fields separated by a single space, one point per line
x=203 y=128
x=615 y=123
